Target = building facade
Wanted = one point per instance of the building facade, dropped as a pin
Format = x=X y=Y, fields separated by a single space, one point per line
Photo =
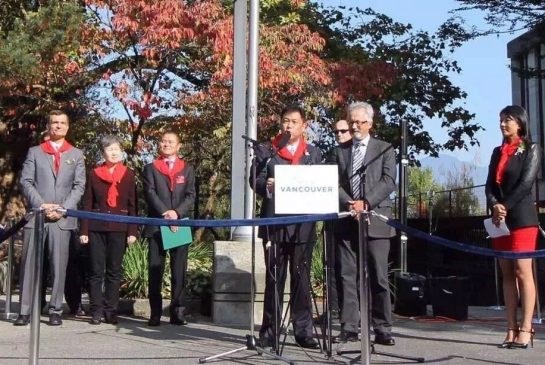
x=527 y=55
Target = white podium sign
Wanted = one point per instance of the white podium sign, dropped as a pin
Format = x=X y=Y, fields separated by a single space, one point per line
x=306 y=189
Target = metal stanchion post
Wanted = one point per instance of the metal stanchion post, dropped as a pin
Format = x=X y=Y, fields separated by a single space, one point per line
x=538 y=319
x=496 y=307
x=9 y=279
x=36 y=289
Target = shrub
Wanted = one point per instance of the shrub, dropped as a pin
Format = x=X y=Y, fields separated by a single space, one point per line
x=135 y=271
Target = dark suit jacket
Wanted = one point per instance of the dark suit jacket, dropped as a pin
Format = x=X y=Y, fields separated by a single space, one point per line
x=95 y=200
x=516 y=189
x=379 y=181
x=160 y=198
x=297 y=233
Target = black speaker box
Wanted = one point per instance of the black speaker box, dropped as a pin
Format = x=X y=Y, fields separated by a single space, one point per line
x=450 y=297
x=410 y=298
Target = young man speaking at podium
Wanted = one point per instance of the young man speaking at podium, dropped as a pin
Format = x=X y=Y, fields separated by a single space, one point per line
x=293 y=243
x=374 y=160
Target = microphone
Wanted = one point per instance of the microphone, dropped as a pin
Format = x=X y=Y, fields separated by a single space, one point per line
x=284 y=139
x=250 y=140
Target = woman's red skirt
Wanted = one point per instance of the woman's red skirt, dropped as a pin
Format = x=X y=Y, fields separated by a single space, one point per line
x=520 y=239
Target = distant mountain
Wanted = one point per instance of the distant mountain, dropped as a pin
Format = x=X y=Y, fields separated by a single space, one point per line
x=445 y=164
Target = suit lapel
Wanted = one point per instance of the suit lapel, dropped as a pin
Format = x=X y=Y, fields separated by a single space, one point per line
x=370 y=152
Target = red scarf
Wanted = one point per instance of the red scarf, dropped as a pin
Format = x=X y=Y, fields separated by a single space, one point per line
x=286 y=154
x=507 y=150
x=48 y=148
x=114 y=178
x=161 y=165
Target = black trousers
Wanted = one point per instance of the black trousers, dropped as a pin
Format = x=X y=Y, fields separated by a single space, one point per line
x=106 y=250
x=77 y=272
x=299 y=257
x=334 y=278
x=347 y=264
x=156 y=267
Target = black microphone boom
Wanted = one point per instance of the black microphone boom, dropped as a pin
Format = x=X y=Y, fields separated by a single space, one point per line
x=250 y=140
x=284 y=140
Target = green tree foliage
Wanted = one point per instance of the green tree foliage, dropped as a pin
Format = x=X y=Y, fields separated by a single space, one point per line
x=458 y=197
x=507 y=15
x=421 y=88
x=420 y=189
x=38 y=71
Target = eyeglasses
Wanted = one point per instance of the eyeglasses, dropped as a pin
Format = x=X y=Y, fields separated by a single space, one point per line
x=359 y=122
x=342 y=131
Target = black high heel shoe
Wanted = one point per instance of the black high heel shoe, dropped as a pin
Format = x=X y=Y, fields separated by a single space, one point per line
x=518 y=345
x=507 y=344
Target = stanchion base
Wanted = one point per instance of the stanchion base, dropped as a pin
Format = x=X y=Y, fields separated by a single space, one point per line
x=8 y=315
x=496 y=308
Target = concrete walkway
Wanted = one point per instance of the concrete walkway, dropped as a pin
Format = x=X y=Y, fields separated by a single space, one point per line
x=438 y=340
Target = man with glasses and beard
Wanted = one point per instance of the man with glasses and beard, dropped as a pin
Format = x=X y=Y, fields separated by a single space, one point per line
x=377 y=159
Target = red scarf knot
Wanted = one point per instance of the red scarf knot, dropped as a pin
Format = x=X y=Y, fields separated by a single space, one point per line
x=113 y=178
x=162 y=166
x=506 y=151
x=48 y=148
x=286 y=154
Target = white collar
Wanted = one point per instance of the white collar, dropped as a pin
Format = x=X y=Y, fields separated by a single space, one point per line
x=56 y=145
x=362 y=143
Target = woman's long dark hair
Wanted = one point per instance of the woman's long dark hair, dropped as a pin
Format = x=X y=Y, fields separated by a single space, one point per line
x=519 y=114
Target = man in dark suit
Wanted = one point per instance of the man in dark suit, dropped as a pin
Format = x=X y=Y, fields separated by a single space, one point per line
x=293 y=243
x=341 y=132
x=169 y=187
x=377 y=159
x=53 y=176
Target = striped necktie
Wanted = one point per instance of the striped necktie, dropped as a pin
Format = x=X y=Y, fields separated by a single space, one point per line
x=357 y=162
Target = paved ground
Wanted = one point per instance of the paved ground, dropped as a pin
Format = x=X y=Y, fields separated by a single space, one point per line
x=438 y=340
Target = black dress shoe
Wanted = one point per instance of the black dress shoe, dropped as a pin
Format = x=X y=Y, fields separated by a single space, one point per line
x=22 y=320
x=111 y=318
x=178 y=320
x=78 y=311
x=96 y=319
x=55 y=319
x=385 y=339
x=154 y=321
x=265 y=341
x=307 y=343
x=346 y=336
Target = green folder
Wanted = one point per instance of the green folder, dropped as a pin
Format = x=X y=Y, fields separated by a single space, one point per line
x=179 y=238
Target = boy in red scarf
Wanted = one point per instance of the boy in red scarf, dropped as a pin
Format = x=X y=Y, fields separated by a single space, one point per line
x=169 y=187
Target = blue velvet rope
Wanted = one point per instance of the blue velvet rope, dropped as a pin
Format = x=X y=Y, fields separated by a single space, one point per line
x=280 y=221
x=201 y=222
x=463 y=246
x=5 y=234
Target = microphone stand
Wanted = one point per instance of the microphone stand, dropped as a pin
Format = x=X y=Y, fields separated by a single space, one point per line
x=251 y=341
x=367 y=347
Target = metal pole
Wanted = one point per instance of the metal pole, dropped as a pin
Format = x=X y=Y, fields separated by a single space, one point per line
x=363 y=288
x=238 y=145
x=403 y=197
x=9 y=278
x=496 y=307
x=538 y=319
x=36 y=288
x=251 y=103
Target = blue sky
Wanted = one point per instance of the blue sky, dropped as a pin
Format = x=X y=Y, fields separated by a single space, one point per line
x=485 y=74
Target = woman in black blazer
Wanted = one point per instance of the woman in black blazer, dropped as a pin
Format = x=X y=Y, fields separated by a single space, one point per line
x=111 y=188
x=511 y=176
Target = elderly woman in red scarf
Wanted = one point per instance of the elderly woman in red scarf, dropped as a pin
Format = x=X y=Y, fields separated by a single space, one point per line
x=111 y=188
x=511 y=176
